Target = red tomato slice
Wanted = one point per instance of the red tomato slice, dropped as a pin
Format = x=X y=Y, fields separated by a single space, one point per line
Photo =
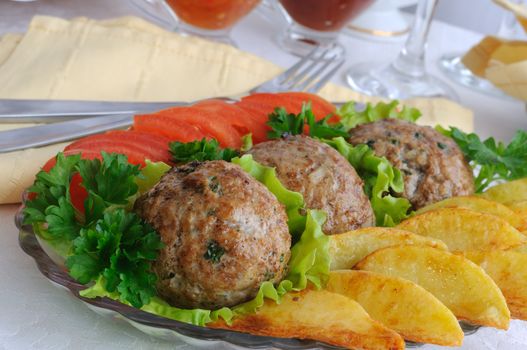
x=167 y=126
x=235 y=116
x=208 y=123
x=150 y=146
x=266 y=103
x=78 y=193
x=319 y=106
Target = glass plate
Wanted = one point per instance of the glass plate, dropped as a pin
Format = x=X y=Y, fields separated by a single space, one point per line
x=158 y=326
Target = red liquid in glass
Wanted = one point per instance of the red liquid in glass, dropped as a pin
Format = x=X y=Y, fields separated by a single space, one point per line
x=324 y=15
x=212 y=14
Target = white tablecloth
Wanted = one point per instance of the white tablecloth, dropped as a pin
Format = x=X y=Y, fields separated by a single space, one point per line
x=36 y=315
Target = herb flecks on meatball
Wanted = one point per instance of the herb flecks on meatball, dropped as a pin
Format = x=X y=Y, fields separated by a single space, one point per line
x=225 y=234
x=323 y=176
x=432 y=164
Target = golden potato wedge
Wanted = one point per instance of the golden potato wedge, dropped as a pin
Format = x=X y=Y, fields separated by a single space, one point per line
x=319 y=315
x=481 y=205
x=519 y=249
x=520 y=209
x=508 y=192
x=461 y=285
x=347 y=249
x=464 y=229
x=400 y=305
x=509 y=270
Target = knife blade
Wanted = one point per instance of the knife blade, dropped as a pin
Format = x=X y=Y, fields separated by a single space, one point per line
x=41 y=135
x=49 y=111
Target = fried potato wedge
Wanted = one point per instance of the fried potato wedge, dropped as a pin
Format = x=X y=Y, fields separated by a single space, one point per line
x=520 y=209
x=461 y=285
x=508 y=192
x=320 y=315
x=400 y=305
x=464 y=229
x=509 y=270
x=347 y=249
x=481 y=205
x=519 y=249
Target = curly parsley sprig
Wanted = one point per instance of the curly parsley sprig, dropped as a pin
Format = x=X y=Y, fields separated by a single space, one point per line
x=491 y=160
x=202 y=150
x=283 y=124
x=106 y=242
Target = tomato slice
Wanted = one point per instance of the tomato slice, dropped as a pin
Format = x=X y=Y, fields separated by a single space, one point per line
x=238 y=118
x=78 y=193
x=150 y=146
x=320 y=107
x=169 y=127
x=207 y=122
x=261 y=105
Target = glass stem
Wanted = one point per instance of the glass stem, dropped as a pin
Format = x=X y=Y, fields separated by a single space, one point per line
x=507 y=27
x=411 y=59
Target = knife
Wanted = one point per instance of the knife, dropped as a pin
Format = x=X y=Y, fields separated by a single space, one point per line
x=41 y=135
x=49 y=111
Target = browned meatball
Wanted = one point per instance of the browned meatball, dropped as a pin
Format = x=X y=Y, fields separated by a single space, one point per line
x=323 y=176
x=432 y=164
x=224 y=232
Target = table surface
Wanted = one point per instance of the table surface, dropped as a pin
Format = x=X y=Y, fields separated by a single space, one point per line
x=37 y=315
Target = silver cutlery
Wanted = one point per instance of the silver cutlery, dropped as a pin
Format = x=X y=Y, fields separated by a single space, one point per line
x=309 y=74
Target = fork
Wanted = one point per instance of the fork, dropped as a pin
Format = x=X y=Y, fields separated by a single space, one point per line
x=309 y=74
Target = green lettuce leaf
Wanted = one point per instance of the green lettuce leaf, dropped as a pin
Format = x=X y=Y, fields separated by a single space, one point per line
x=293 y=201
x=351 y=117
x=158 y=306
x=150 y=175
x=382 y=181
x=310 y=256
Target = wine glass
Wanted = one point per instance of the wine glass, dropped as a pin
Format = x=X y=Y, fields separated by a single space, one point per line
x=406 y=76
x=452 y=65
x=315 y=22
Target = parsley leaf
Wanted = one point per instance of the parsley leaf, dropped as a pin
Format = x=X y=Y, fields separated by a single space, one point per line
x=214 y=251
x=351 y=116
x=61 y=220
x=113 y=179
x=48 y=188
x=183 y=152
x=110 y=182
x=120 y=246
x=283 y=124
x=490 y=159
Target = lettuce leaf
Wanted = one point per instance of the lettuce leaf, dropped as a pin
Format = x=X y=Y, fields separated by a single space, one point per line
x=158 y=306
x=150 y=175
x=382 y=181
x=293 y=201
x=351 y=116
x=310 y=256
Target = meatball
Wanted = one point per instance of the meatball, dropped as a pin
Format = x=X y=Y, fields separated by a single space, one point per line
x=224 y=235
x=432 y=165
x=323 y=176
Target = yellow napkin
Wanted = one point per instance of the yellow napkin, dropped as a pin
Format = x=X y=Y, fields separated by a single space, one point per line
x=129 y=59
x=502 y=62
